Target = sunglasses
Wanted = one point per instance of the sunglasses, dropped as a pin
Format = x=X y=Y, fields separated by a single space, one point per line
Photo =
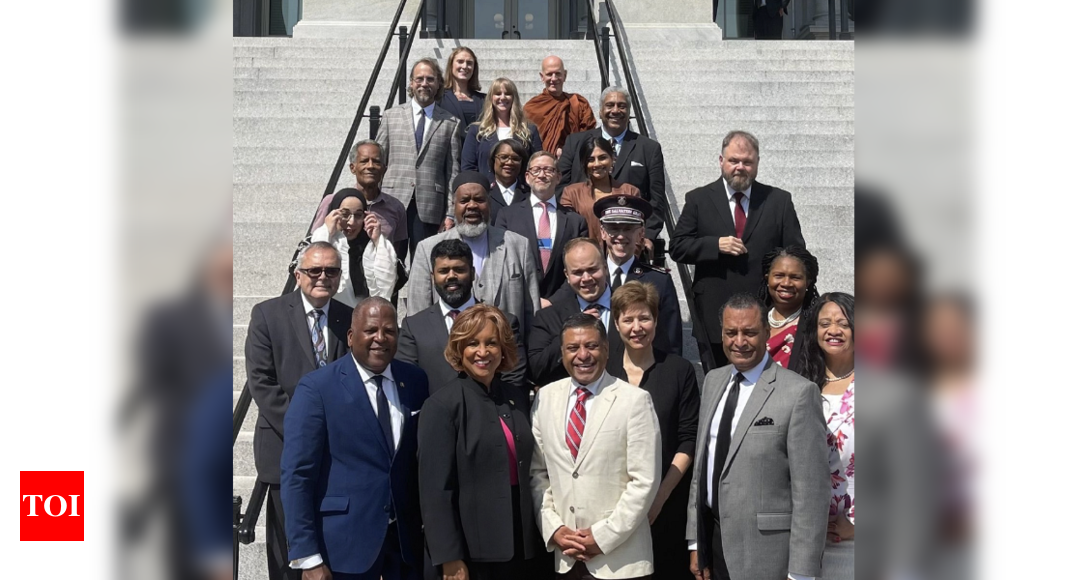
x=317 y=272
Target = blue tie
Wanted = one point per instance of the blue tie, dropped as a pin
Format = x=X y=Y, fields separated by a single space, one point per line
x=384 y=413
x=419 y=129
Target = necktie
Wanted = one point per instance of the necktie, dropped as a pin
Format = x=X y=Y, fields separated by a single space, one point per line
x=577 y=422
x=384 y=412
x=544 y=248
x=594 y=310
x=319 y=342
x=740 y=216
x=723 y=440
x=419 y=129
x=453 y=314
x=617 y=278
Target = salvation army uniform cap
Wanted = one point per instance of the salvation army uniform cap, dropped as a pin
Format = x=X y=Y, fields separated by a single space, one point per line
x=622 y=209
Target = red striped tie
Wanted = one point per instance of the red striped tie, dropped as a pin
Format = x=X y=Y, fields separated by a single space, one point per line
x=576 y=423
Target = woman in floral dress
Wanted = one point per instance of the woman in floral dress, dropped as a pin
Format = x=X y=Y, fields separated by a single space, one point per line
x=828 y=361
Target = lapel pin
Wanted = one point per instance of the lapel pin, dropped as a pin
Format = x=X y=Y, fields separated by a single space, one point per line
x=402 y=385
x=511 y=402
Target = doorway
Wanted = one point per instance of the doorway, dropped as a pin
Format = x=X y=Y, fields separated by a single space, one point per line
x=511 y=19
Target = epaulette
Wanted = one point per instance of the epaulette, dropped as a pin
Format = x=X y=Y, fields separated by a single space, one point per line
x=641 y=267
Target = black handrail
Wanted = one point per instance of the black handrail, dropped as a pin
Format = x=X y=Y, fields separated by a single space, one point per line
x=398 y=78
x=640 y=116
x=599 y=48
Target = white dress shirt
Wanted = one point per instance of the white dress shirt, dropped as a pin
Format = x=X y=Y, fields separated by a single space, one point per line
x=573 y=396
x=446 y=309
x=749 y=381
x=731 y=200
x=507 y=192
x=417 y=111
x=480 y=247
x=536 y=213
x=625 y=267
x=605 y=300
x=397 y=422
x=308 y=308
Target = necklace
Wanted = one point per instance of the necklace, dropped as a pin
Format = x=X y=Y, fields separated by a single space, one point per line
x=781 y=323
x=833 y=379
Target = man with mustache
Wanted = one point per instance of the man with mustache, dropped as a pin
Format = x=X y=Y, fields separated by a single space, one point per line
x=289 y=337
x=596 y=465
x=424 y=335
x=639 y=160
x=367 y=163
x=759 y=498
x=421 y=145
x=725 y=229
x=505 y=274
x=349 y=481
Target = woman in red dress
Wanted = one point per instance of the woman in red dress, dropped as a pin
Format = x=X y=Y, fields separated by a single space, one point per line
x=789 y=288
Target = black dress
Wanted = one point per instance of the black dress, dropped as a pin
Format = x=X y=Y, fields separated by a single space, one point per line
x=673 y=386
x=471 y=510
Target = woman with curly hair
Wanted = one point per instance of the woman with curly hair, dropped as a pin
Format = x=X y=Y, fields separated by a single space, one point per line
x=789 y=289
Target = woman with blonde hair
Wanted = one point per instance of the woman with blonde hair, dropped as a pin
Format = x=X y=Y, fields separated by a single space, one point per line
x=461 y=96
x=502 y=118
x=475 y=447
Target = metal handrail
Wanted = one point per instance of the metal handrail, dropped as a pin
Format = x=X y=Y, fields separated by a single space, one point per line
x=599 y=48
x=398 y=78
x=640 y=116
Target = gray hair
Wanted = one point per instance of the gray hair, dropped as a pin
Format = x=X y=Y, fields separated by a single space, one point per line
x=746 y=301
x=609 y=90
x=748 y=137
x=317 y=246
x=352 y=152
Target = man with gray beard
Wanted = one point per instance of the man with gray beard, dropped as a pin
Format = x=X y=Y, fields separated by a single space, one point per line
x=505 y=274
x=725 y=230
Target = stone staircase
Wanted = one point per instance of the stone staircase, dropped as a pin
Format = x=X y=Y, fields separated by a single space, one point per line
x=294 y=100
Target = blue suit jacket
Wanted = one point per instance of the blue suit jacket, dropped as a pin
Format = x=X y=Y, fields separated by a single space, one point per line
x=339 y=480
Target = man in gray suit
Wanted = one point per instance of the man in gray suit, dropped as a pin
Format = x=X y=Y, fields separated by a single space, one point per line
x=505 y=274
x=421 y=146
x=759 y=499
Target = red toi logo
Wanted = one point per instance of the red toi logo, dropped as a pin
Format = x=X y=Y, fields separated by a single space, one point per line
x=52 y=506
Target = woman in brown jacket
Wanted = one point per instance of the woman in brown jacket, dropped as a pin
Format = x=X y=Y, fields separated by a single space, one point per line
x=600 y=155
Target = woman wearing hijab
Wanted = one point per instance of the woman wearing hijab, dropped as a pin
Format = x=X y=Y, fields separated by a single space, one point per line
x=367 y=258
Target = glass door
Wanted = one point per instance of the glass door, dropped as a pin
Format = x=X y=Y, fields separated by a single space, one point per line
x=511 y=19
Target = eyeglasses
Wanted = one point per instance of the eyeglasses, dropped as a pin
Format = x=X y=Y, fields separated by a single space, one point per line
x=508 y=158
x=317 y=272
x=345 y=215
x=542 y=170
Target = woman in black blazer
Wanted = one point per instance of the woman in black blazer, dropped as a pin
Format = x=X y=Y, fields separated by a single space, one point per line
x=672 y=384
x=461 y=96
x=475 y=446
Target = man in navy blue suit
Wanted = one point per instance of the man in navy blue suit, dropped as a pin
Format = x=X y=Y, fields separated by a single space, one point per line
x=349 y=484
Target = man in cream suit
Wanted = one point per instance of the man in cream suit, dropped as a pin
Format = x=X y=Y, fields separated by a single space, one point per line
x=760 y=495
x=505 y=274
x=421 y=149
x=596 y=464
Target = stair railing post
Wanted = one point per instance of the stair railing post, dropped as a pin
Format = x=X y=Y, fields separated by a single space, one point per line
x=845 y=25
x=403 y=38
x=376 y=119
x=605 y=47
x=831 y=20
x=236 y=523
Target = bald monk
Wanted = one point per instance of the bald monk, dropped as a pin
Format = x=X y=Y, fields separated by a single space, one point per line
x=557 y=113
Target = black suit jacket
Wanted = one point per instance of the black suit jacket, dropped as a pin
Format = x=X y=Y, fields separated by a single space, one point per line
x=519 y=218
x=640 y=163
x=669 y=336
x=706 y=217
x=497 y=200
x=450 y=103
x=278 y=352
x=464 y=486
x=422 y=343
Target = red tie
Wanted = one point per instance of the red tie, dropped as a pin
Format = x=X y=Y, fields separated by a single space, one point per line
x=576 y=422
x=543 y=234
x=740 y=216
